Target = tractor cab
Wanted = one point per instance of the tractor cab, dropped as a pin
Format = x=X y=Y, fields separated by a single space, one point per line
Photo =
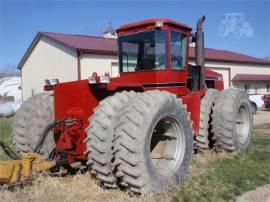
x=153 y=54
x=157 y=44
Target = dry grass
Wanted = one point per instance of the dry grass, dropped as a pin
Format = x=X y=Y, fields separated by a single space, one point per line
x=80 y=187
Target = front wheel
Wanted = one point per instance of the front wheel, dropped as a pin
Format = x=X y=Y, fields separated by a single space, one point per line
x=232 y=121
x=153 y=143
x=100 y=134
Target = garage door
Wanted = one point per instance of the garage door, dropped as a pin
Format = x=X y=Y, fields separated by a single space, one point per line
x=225 y=73
x=114 y=69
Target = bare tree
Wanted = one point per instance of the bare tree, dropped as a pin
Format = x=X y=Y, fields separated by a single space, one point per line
x=9 y=70
x=267 y=58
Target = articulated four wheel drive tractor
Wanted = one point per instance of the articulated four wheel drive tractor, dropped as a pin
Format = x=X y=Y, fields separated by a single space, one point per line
x=138 y=131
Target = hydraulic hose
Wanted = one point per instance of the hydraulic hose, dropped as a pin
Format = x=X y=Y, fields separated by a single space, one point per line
x=43 y=136
x=9 y=152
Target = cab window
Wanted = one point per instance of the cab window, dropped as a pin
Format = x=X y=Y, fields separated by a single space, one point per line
x=143 y=51
x=178 y=50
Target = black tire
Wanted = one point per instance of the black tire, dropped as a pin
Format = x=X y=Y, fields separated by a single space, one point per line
x=100 y=134
x=134 y=162
x=30 y=121
x=207 y=103
x=232 y=121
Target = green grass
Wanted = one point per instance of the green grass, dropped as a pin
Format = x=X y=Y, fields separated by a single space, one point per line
x=5 y=135
x=231 y=176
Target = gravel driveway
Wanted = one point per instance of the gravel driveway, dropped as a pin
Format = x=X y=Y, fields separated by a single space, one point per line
x=262 y=116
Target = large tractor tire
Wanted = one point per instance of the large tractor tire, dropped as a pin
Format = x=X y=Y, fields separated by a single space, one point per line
x=232 y=121
x=31 y=119
x=100 y=135
x=153 y=144
x=203 y=139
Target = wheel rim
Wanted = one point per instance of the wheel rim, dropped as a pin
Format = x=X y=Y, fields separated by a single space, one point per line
x=167 y=146
x=242 y=124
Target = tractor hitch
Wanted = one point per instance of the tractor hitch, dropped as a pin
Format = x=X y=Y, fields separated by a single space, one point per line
x=14 y=172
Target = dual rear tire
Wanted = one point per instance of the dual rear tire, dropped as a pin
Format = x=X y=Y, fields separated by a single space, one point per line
x=232 y=121
x=153 y=144
x=204 y=138
x=149 y=142
x=226 y=121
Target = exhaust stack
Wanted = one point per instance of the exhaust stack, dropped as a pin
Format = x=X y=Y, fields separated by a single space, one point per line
x=199 y=51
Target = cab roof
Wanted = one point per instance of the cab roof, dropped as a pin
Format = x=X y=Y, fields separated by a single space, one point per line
x=152 y=22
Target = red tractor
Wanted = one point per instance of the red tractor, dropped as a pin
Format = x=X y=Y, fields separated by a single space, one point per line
x=266 y=100
x=138 y=131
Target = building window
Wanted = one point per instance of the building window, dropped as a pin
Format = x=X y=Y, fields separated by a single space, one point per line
x=247 y=88
x=268 y=87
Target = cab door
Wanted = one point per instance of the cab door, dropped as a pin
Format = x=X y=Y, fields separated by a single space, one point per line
x=178 y=60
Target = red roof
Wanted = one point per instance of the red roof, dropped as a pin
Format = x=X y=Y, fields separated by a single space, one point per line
x=251 y=77
x=228 y=56
x=84 y=43
x=100 y=45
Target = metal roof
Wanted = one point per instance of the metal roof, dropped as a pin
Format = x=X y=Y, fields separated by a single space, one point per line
x=251 y=77
x=100 y=45
x=84 y=43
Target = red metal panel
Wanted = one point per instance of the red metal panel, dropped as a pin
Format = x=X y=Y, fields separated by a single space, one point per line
x=74 y=100
x=193 y=102
x=145 y=78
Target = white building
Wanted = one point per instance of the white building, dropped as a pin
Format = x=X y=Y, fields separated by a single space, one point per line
x=74 y=57
x=10 y=95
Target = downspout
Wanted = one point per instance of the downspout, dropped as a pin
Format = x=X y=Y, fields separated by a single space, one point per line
x=79 y=65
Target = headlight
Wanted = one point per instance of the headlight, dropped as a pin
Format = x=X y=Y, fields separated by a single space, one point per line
x=159 y=24
x=51 y=82
x=54 y=81
x=104 y=79
x=92 y=80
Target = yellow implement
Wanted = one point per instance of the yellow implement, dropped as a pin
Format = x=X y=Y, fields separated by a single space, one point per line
x=14 y=171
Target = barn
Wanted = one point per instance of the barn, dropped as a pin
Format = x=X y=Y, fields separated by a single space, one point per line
x=74 y=57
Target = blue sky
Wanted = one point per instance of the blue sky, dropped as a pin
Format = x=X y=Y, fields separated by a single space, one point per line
x=21 y=20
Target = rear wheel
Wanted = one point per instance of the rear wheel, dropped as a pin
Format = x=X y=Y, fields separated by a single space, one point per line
x=31 y=119
x=203 y=139
x=232 y=121
x=100 y=134
x=153 y=143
